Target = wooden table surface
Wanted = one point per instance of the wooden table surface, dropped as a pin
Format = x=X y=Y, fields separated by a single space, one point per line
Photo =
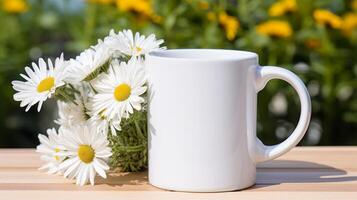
x=303 y=173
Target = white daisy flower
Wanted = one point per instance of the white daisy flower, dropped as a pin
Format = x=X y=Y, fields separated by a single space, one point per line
x=70 y=113
x=41 y=82
x=119 y=91
x=88 y=62
x=49 y=148
x=87 y=152
x=103 y=124
x=131 y=45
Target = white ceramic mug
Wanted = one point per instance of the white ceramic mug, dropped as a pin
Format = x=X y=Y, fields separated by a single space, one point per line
x=202 y=118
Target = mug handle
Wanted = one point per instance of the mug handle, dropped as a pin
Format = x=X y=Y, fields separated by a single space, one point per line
x=263 y=75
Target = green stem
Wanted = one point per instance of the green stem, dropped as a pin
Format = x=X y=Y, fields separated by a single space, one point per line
x=138 y=130
x=90 y=84
x=66 y=96
x=73 y=88
x=130 y=148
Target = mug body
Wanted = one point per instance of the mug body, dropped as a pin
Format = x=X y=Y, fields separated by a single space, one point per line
x=201 y=119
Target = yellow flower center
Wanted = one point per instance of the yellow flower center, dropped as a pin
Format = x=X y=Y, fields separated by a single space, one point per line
x=46 y=84
x=138 y=49
x=86 y=153
x=122 y=92
x=57 y=157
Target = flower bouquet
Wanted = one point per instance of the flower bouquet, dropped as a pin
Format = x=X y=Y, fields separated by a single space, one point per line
x=101 y=97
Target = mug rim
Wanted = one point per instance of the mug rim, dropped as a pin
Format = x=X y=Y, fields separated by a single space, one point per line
x=203 y=54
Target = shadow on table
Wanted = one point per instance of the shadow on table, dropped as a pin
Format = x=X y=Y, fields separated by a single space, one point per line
x=270 y=173
x=291 y=171
x=117 y=179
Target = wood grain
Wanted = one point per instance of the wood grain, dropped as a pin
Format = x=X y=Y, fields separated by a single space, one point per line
x=305 y=172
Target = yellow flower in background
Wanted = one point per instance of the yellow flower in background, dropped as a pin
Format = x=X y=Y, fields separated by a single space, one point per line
x=15 y=6
x=275 y=28
x=230 y=25
x=204 y=5
x=105 y=2
x=156 y=18
x=282 y=7
x=354 y=5
x=349 y=23
x=326 y=17
x=277 y=9
x=142 y=7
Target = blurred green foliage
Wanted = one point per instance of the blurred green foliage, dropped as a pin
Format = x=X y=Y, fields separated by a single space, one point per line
x=320 y=48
